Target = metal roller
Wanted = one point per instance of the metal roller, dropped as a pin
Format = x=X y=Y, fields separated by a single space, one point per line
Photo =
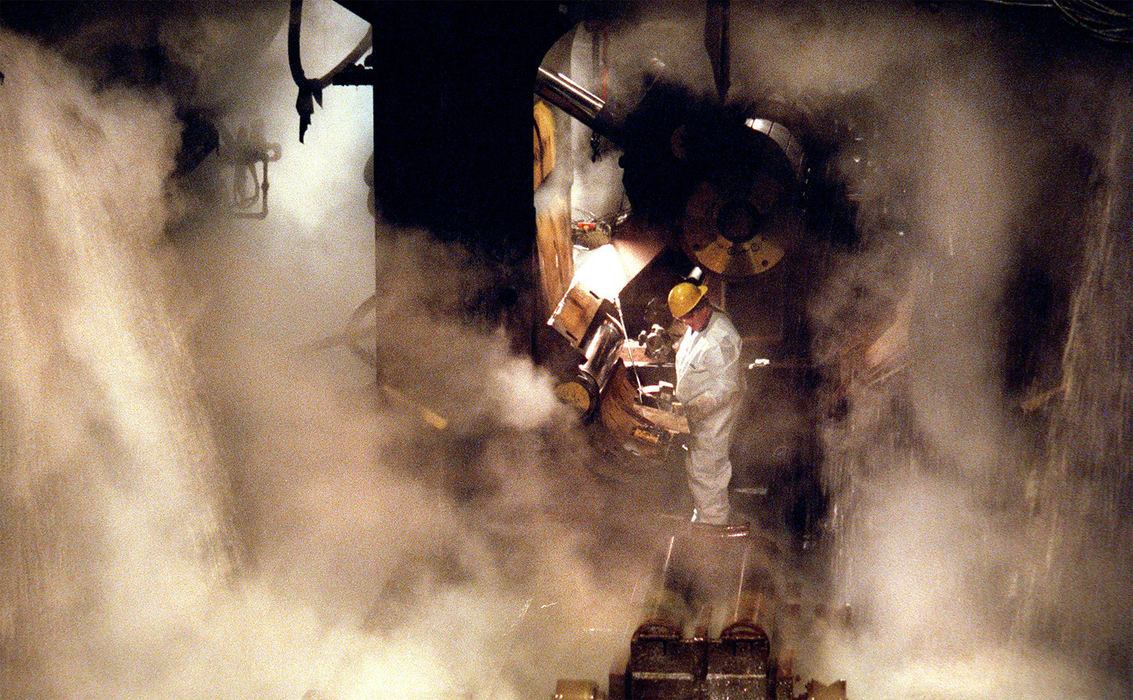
x=740 y=221
x=578 y=102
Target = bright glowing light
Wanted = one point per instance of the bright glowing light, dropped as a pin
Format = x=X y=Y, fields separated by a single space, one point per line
x=601 y=272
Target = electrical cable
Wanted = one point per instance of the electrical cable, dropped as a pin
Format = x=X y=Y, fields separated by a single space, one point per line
x=1107 y=20
x=244 y=197
x=1102 y=27
x=621 y=321
x=1021 y=3
x=355 y=331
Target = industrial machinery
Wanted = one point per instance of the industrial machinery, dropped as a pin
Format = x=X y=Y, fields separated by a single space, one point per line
x=723 y=189
x=737 y=190
x=709 y=626
x=346 y=72
x=608 y=384
x=721 y=192
x=732 y=179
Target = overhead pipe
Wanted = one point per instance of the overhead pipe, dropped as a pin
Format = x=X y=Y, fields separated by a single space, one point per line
x=344 y=73
x=579 y=103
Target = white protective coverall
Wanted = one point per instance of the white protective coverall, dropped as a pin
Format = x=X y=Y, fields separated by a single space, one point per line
x=710 y=385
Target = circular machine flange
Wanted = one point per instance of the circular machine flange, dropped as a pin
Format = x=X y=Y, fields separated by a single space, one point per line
x=579 y=391
x=738 y=221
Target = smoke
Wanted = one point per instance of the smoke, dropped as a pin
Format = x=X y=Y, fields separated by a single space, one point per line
x=970 y=139
x=203 y=494
x=928 y=473
x=442 y=560
x=203 y=497
x=100 y=422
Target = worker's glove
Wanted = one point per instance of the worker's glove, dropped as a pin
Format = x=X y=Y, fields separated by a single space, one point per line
x=704 y=405
x=697 y=408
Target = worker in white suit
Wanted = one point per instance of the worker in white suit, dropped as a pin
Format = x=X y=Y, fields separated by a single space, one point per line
x=710 y=386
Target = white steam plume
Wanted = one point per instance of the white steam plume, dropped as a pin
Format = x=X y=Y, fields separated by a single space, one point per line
x=929 y=469
x=114 y=535
x=197 y=503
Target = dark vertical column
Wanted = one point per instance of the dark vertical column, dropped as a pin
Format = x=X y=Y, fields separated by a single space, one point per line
x=452 y=117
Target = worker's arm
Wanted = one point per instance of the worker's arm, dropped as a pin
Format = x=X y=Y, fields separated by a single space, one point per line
x=720 y=377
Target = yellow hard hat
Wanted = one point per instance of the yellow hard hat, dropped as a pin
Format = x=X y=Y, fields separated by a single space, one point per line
x=684 y=297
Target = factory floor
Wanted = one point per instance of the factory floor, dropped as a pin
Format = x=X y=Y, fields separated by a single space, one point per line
x=651 y=498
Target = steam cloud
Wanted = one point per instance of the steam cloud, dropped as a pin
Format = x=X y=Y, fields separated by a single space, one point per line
x=972 y=152
x=200 y=496
x=197 y=502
